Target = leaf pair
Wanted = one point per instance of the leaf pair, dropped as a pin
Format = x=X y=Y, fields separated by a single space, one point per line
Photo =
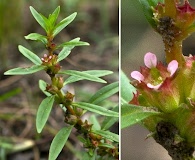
x=48 y=24
x=29 y=70
x=52 y=29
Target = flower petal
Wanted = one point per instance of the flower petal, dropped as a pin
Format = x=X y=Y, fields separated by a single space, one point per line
x=137 y=75
x=150 y=60
x=153 y=87
x=172 y=67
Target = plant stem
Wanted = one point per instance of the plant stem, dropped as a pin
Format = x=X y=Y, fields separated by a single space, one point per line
x=166 y=136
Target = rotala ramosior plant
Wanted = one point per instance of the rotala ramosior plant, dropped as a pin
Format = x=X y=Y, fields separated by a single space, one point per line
x=99 y=142
x=164 y=100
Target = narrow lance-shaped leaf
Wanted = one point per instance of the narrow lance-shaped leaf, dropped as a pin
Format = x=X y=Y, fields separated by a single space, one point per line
x=107 y=134
x=96 y=109
x=43 y=112
x=37 y=37
x=39 y=18
x=30 y=55
x=23 y=71
x=83 y=75
x=60 y=26
x=109 y=121
x=126 y=89
x=42 y=86
x=97 y=73
x=107 y=145
x=93 y=120
x=53 y=17
x=66 y=50
x=80 y=43
x=131 y=115
x=104 y=93
x=59 y=142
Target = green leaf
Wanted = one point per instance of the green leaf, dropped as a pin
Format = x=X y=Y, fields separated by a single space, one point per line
x=42 y=86
x=83 y=75
x=97 y=73
x=39 y=18
x=43 y=112
x=107 y=145
x=37 y=37
x=131 y=114
x=30 y=55
x=107 y=134
x=60 y=26
x=53 y=17
x=126 y=89
x=104 y=93
x=96 y=109
x=59 y=142
x=147 y=8
x=80 y=43
x=66 y=50
x=93 y=120
x=109 y=121
x=23 y=71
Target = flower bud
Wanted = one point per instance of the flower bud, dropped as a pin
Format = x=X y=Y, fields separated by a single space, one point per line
x=79 y=111
x=71 y=119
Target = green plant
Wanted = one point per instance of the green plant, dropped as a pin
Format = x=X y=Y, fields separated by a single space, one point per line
x=99 y=141
x=162 y=95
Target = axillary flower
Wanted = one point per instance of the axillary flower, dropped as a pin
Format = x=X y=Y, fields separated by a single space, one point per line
x=155 y=84
x=153 y=75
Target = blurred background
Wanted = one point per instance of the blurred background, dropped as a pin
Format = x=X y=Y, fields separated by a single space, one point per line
x=96 y=23
x=137 y=39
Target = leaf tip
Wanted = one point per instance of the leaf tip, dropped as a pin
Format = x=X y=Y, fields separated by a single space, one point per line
x=87 y=44
x=6 y=73
x=39 y=130
x=31 y=8
x=20 y=47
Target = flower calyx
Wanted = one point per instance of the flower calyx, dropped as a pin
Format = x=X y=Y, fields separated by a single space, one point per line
x=154 y=82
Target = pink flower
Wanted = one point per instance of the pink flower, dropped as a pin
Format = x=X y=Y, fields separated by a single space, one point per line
x=150 y=60
x=154 y=74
